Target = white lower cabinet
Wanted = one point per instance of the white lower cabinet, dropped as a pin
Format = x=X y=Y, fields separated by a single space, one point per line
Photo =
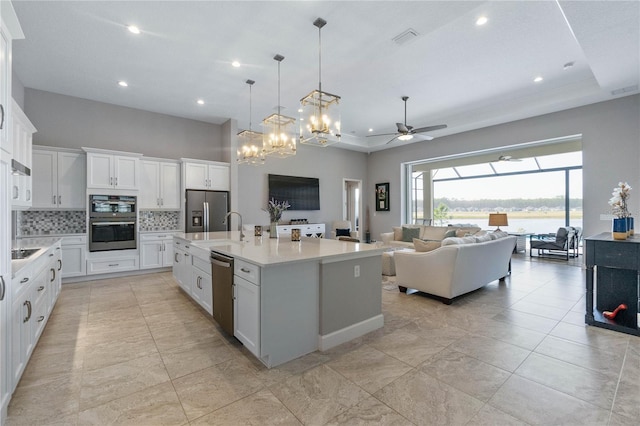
x=246 y=305
x=182 y=264
x=73 y=257
x=201 y=284
x=112 y=264
x=246 y=314
x=156 y=250
x=36 y=290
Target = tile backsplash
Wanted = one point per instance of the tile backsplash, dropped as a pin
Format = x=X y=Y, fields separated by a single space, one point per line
x=159 y=221
x=38 y=222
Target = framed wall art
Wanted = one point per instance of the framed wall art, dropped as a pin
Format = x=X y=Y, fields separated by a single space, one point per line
x=382 y=197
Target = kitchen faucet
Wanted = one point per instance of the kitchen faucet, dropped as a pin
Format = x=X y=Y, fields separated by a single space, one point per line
x=224 y=222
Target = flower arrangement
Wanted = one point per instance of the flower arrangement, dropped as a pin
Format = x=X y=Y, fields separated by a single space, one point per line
x=275 y=209
x=618 y=201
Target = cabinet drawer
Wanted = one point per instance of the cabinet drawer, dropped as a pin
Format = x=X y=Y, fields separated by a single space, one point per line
x=111 y=265
x=155 y=237
x=248 y=271
x=74 y=239
x=616 y=255
x=204 y=266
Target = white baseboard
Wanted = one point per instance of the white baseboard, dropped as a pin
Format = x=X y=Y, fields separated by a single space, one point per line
x=346 y=334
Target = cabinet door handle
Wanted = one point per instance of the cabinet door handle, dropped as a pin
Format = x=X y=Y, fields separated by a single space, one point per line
x=111 y=181
x=175 y=257
x=53 y=276
x=246 y=271
x=113 y=264
x=116 y=181
x=24 y=280
x=27 y=303
x=40 y=288
x=2 y=119
x=59 y=199
x=3 y=288
x=28 y=195
x=54 y=200
x=59 y=264
x=40 y=318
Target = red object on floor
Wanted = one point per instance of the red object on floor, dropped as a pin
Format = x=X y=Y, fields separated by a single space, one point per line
x=612 y=315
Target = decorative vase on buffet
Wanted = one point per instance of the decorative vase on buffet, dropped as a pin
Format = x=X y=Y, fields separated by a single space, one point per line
x=623 y=222
x=619 y=230
x=275 y=209
x=273 y=230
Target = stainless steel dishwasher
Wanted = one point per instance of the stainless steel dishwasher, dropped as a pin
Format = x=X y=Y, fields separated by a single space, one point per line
x=222 y=282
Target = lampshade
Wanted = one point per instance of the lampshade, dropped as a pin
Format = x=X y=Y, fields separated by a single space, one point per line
x=250 y=142
x=279 y=137
x=498 y=219
x=320 y=111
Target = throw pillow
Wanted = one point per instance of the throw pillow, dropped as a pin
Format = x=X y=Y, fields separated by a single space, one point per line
x=408 y=234
x=482 y=238
x=423 y=246
x=397 y=233
x=450 y=233
x=451 y=241
x=343 y=232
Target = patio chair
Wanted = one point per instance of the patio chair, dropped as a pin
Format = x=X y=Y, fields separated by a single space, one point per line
x=563 y=243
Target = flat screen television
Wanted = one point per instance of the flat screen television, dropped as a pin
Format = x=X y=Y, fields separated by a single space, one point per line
x=301 y=192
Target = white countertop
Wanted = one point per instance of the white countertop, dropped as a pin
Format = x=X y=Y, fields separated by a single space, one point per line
x=265 y=251
x=42 y=243
x=44 y=235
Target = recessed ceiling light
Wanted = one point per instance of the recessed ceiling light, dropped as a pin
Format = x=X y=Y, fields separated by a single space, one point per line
x=370 y=130
x=236 y=64
x=133 y=29
x=568 y=65
x=122 y=83
x=481 y=20
x=538 y=79
x=200 y=102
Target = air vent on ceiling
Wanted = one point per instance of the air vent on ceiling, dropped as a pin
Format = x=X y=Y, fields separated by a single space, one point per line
x=405 y=36
x=625 y=90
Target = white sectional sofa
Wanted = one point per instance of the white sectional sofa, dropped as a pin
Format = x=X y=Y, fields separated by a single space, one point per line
x=424 y=232
x=459 y=266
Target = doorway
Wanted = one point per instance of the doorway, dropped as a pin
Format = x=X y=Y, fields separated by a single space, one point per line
x=352 y=204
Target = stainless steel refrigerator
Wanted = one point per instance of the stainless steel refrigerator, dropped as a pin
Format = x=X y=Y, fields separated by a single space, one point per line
x=205 y=211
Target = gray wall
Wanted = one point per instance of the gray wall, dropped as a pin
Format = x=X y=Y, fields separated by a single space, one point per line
x=329 y=164
x=611 y=153
x=17 y=90
x=65 y=121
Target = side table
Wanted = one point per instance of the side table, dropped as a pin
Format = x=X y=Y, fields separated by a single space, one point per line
x=521 y=241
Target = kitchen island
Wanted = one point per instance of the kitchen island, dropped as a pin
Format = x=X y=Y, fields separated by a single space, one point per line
x=289 y=298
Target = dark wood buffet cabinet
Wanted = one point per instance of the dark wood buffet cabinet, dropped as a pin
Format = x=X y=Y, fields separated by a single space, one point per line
x=613 y=268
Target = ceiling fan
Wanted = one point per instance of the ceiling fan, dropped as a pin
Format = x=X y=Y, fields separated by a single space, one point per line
x=406 y=132
x=508 y=158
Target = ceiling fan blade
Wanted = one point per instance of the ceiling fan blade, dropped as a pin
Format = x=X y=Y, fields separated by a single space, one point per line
x=381 y=134
x=402 y=128
x=430 y=128
x=391 y=140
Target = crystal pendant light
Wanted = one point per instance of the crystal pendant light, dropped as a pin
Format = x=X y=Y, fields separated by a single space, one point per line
x=279 y=138
x=320 y=115
x=250 y=142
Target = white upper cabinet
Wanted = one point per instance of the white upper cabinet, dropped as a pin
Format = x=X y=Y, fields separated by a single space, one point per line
x=22 y=139
x=205 y=175
x=59 y=179
x=160 y=185
x=112 y=169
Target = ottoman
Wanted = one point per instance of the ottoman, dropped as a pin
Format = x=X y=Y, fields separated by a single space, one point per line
x=388 y=262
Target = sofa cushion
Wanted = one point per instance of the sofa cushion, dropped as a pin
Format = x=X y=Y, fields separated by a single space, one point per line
x=343 y=232
x=397 y=233
x=451 y=241
x=482 y=238
x=450 y=233
x=433 y=233
x=409 y=233
x=422 y=246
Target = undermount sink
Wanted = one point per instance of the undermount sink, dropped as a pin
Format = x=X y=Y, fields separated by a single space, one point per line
x=22 y=253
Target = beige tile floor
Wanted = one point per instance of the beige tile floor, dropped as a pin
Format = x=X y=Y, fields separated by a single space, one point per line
x=137 y=351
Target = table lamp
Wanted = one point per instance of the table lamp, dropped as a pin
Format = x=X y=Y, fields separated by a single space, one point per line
x=498 y=219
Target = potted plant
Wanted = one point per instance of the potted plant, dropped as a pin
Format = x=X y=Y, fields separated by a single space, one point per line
x=275 y=210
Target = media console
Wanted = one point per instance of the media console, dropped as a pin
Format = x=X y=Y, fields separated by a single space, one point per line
x=315 y=230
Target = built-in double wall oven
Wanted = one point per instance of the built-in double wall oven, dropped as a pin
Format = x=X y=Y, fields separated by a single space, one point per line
x=112 y=222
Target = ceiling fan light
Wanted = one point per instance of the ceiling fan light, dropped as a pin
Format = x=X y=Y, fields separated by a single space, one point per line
x=405 y=137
